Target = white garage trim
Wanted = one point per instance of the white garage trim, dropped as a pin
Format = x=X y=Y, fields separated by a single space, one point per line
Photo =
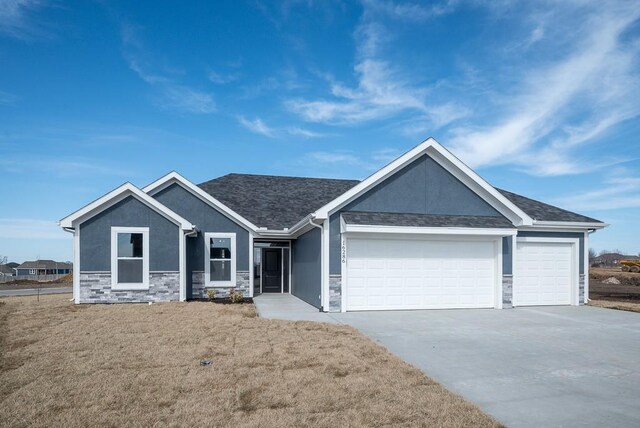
x=574 y=271
x=496 y=242
x=408 y=230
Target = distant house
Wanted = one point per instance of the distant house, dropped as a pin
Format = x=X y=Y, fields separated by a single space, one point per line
x=8 y=269
x=611 y=259
x=44 y=267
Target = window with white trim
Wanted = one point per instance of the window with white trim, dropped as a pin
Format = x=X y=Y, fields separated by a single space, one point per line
x=130 y=258
x=220 y=259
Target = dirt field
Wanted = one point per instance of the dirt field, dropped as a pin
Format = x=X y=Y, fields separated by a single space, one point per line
x=620 y=305
x=627 y=291
x=139 y=365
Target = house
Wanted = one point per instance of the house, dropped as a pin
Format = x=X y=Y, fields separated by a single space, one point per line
x=8 y=269
x=43 y=267
x=611 y=259
x=423 y=232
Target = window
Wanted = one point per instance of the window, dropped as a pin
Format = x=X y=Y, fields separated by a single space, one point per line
x=220 y=259
x=130 y=258
x=32 y=271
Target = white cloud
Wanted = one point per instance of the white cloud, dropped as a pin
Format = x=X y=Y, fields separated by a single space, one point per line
x=257 y=126
x=564 y=104
x=16 y=20
x=382 y=90
x=615 y=192
x=58 y=167
x=412 y=11
x=187 y=99
x=302 y=132
x=7 y=98
x=172 y=94
x=333 y=158
x=223 y=79
x=380 y=93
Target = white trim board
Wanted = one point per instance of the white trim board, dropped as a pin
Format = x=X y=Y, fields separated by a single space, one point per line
x=117 y=195
x=357 y=228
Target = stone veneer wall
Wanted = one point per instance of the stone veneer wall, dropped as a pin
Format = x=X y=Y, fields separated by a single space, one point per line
x=199 y=291
x=581 y=297
x=95 y=287
x=507 y=291
x=335 y=293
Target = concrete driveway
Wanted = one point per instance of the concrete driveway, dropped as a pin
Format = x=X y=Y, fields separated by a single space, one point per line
x=552 y=367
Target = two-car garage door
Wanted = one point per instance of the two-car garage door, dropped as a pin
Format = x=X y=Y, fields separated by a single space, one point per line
x=420 y=274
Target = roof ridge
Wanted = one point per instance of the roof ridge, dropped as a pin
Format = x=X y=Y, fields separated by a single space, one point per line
x=282 y=176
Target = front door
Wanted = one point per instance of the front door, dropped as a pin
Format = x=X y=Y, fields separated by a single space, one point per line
x=272 y=270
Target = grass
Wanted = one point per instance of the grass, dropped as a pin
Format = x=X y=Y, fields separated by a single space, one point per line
x=619 y=305
x=138 y=365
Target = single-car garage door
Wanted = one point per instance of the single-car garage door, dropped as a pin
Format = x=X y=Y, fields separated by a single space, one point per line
x=386 y=274
x=543 y=273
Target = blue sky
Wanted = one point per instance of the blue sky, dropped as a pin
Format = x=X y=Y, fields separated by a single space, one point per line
x=541 y=98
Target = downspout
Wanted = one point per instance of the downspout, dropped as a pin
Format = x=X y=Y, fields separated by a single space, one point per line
x=322 y=260
x=73 y=297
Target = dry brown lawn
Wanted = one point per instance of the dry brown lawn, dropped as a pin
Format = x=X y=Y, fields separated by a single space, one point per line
x=138 y=365
x=620 y=305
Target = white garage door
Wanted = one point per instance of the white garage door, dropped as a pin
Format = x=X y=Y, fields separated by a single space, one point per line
x=419 y=274
x=543 y=273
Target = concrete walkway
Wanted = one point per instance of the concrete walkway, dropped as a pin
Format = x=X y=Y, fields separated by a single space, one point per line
x=288 y=307
x=34 y=291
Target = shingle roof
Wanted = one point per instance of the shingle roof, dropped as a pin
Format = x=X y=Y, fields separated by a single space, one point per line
x=45 y=264
x=277 y=202
x=425 y=220
x=544 y=212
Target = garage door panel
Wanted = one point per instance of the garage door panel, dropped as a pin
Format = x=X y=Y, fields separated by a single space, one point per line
x=543 y=273
x=420 y=274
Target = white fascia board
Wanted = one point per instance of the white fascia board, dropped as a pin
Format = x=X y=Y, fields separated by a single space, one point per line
x=116 y=195
x=174 y=177
x=459 y=170
x=567 y=225
x=359 y=228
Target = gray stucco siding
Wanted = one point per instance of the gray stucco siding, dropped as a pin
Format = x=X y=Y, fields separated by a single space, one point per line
x=576 y=235
x=306 y=268
x=95 y=236
x=422 y=187
x=207 y=219
x=507 y=256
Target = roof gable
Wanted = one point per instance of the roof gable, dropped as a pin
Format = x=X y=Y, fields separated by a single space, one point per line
x=422 y=187
x=117 y=195
x=448 y=161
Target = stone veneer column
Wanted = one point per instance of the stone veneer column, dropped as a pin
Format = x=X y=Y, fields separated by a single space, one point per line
x=507 y=291
x=581 y=297
x=335 y=293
